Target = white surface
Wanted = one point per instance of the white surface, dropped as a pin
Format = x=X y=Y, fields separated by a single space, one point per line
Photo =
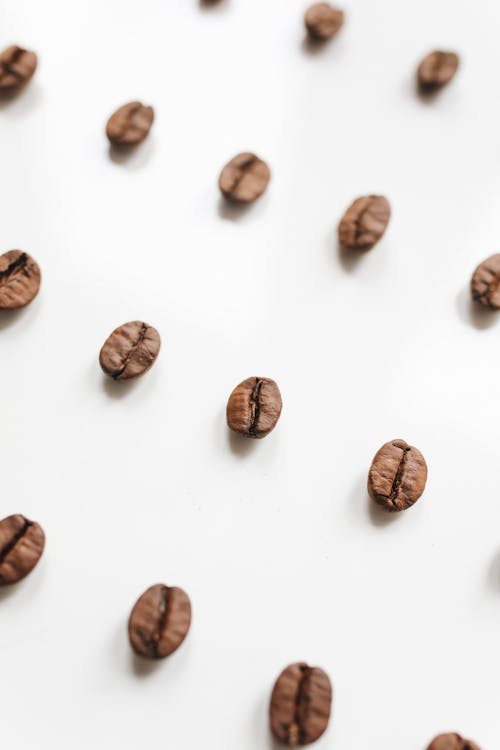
x=274 y=541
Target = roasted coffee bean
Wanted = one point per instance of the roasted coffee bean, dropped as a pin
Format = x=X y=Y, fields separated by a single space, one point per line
x=21 y=546
x=244 y=178
x=301 y=704
x=397 y=476
x=364 y=223
x=130 y=350
x=322 y=21
x=254 y=407
x=452 y=742
x=17 y=66
x=159 y=621
x=436 y=70
x=19 y=279
x=485 y=283
x=130 y=124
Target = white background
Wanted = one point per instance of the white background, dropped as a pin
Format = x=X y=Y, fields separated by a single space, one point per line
x=275 y=541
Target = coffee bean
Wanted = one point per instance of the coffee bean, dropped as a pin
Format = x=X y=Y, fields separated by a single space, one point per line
x=244 y=178
x=301 y=704
x=130 y=350
x=19 y=279
x=485 y=283
x=159 y=621
x=254 y=407
x=130 y=124
x=436 y=70
x=21 y=546
x=397 y=476
x=17 y=66
x=322 y=21
x=364 y=223
x=452 y=742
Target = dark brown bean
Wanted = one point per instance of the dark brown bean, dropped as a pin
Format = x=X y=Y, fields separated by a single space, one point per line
x=254 y=407
x=301 y=704
x=130 y=124
x=21 y=546
x=437 y=70
x=397 y=476
x=159 y=621
x=452 y=742
x=485 y=283
x=17 y=66
x=244 y=178
x=364 y=223
x=323 y=21
x=20 y=279
x=130 y=350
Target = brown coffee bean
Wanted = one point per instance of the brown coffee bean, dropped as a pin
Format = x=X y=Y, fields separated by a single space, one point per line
x=130 y=350
x=301 y=704
x=364 y=223
x=485 y=283
x=436 y=70
x=244 y=178
x=254 y=407
x=20 y=279
x=17 y=66
x=397 y=476
x=159 y=621
x=21 y=546
x=452 y=742
x=130 y=124
x=322 y=21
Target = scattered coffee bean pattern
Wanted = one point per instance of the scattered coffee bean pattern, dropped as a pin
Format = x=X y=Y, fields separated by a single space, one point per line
x=436 y=70
x=130 y=350
x=21 y=546
x=452 y=742
x=130 y=124
x=485 y=283
x=159 y=621
x=301 y=704
x=397 y=476
x=364 y=223
x=17 y=67
x=244 y=178
x=323 y=21
x=254 y=407
x=20 y=279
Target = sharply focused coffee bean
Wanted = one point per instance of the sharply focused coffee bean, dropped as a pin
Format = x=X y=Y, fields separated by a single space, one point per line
x=130 y=124
x=254 y=407
x=21 y=546
x=159 y=621
x=19 y=279
x=452 y=742
x=17 y=66
x=485 y=283
x=301 y=704
x=397 y=476
x=436 y=70
x=130 y=350
x=244 y=178
x=364 y=223
x=322 y=21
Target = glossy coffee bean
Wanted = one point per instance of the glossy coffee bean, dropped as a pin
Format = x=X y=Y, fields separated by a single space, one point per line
x=364 y=223
x=17 y=66
x=21 y=546
x=254 y=407
x=301 y=704
x=130 y=350
x=437 y=70
x=130 y=124
x=397 y=476
x=452 y=742
x=20 y=279
x=323 y=21
x=159 y=621
x=485 y=283
x=244 y=178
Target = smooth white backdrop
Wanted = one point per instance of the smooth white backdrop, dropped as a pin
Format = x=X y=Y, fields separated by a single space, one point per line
x=275 y=541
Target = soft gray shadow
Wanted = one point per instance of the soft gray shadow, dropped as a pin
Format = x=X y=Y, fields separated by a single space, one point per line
x=494 y=573
x=23 y=102
x=473 y=313
x=143 y=667
x=349 y=259
x=311 y=46
x=119 y=389
x=379 y=518
x=7 y=591
x=132 y=157
x=240 y=446
x=10 y=318
x=209 y=4
x=232 y=211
